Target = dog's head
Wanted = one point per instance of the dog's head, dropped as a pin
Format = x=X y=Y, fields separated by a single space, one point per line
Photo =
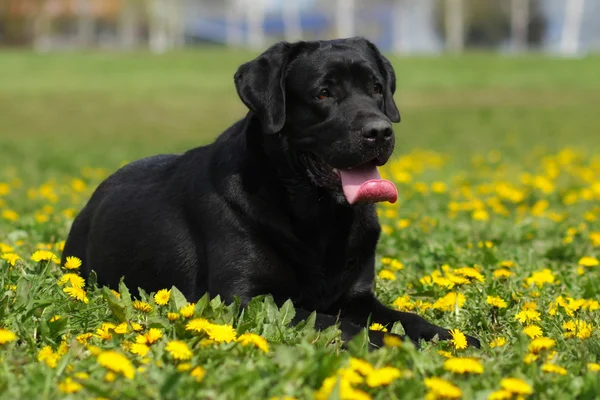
x=332 y=102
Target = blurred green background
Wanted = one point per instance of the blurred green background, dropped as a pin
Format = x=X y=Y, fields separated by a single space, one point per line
x=63 y=111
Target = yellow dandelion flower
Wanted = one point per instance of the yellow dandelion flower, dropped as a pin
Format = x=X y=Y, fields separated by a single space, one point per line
x=553 y=368
x=188 y=311
x=162 y=297
x=496 y=301
x=539 y=278
x=117 y=294
x=179 y=350
x=403 y=303
x=198 y=325
x=10 y=215
x=382 y=376
x=530 y=358
x=361 y=366
x=593 y=367
x=450 y=301
x=502 y=273
x=153 y=335
x=142 y=306
x=480 y=215
x=63 y=348
x=198 y=373
x=533 y=331
x=527 y=316
x=498 y=342
x=110 y=377
x=94 y=350
x=540 y=344
x=254 y=339
x=48 y=356
x=500 y=395
x=459 y=340
x=171 y=316
x=589 y=261
x=516 y=386
x=69 y=386
x=441 y=388
x=136 y=327
x=578 y=328
x=7 y=336
x=77 y=294
x=221 y=333
x=44 y=255
x=377 y=327
x=140 y=349
x=116 y=362
x=72 y=263
x=392 y=341
x=73 y=279
x=386 y=275
x=469 y=272
x=463 y=365
x=11 y=258
x=445 y=354
x=84 y=337
x=82 y=376
x=122 y=328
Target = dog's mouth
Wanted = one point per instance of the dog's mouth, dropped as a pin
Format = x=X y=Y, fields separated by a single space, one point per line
x=360 y=184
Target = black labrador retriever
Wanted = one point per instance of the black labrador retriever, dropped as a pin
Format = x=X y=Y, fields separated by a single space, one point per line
x=282 y=203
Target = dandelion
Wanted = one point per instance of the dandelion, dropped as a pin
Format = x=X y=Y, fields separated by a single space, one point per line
x=593 y=367
x=10 y=215
x=540 y=344
x=162 y=297
x=382 y=376
x=441 y=388
x=77 y=294
x=403 y=303
x=502 y=273
x=496 y=301
x=449 y=302
x=139 y=349
x=7 y=336
x=179 y=350
x=72 y=263
x=539 y=278
x=553 y=368
x=198 y=325
x=84 y=337
x=459 y=340
x=386 y=275
x=116 y=362
x=188 y=310
x=11 y=258
x=221 y=333
x=142 y=306
x=73 y=279
x=254 y=339
x=533 y=331
x=48 y=356
x=445 y=354
x=461 y=365
x=392 y=341
x=500 y=395
x=171 y=316
x=44 y=255
x=378 y=327
x=530 y=358
x=577 y=328
x=516 y=386
x=498 y=342
x=69 y=386
x=198 y=373
x=527 y=316
x=589 y=261
x=153 y=335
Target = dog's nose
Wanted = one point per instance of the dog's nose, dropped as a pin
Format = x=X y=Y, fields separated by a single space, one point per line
x=376 y=132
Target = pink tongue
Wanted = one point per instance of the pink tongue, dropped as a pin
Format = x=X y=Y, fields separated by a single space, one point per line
x=364 y=184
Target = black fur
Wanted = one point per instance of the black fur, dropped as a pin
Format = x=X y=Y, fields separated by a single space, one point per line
x=260 y=210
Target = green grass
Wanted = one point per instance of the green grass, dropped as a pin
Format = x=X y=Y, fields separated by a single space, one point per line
x=491 y=149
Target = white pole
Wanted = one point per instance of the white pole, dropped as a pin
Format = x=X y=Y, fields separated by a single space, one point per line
x=569 y=43
x=233 y=16
x=345 y=18
x=519 y=12
x=454 y=25
x=255 y=16
x=291 y=20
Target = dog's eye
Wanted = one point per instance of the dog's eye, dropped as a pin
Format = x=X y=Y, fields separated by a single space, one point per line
x=377 y=89
x=324 y=94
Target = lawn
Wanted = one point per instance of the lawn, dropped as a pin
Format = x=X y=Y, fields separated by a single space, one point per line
x=496 y=233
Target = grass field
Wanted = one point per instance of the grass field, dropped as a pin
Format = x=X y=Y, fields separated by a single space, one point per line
x=496 y=234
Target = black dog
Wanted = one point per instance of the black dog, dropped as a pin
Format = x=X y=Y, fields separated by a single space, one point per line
x=281 y=203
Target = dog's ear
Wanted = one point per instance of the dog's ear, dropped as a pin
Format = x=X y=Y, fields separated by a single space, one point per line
x=260 y=83
x=386 y=69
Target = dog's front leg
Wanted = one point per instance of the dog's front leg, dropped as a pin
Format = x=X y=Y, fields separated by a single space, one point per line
x=358 y=309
